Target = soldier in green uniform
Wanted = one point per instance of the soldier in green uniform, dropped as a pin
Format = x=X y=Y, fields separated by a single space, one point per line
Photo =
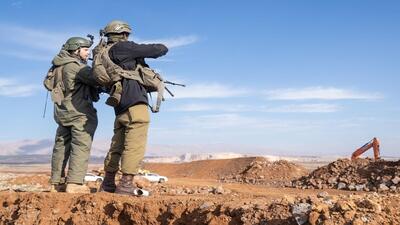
x=132 y=112
x=75 y=115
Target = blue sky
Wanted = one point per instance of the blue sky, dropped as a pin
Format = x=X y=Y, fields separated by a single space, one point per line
x=264 y=77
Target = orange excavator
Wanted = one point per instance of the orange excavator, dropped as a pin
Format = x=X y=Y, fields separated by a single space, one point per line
x=374 y=143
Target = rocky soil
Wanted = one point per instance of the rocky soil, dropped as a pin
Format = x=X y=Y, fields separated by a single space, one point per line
x=24 y=198
x=347 y=209
x=49 y=208
x=261 y=171
x=105 y=208
x=23 y=183
x=40 y=183
x=358 y=175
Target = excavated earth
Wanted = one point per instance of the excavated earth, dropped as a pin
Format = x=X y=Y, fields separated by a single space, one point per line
x=262 y=171
x=252 y=170
x=358 y=175
x=197 y=193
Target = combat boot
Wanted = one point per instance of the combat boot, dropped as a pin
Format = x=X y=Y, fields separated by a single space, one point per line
x=77 y=188
x=126 y=187
x=108 y=184
x=57 y=188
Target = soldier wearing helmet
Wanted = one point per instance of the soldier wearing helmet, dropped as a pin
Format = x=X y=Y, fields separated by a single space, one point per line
x=132 y=112
x=75 y=115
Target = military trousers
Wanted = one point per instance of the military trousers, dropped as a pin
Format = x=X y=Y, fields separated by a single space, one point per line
x=128 y=144
x=73 y=144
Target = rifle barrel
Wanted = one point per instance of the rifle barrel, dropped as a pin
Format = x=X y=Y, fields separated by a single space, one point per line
x=172 y=83
x=172 y=95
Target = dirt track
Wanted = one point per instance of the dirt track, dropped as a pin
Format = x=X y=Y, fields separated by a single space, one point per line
x=201 y=198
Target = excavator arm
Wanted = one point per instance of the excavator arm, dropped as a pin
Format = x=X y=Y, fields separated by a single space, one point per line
x=374 y=143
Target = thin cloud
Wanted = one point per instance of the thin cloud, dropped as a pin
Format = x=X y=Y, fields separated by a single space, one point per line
x=320 y=93
x=33 y=38
x=232 y=121
x=293 y=108
x=41 y=45
x=197 y=107
x=16 y=4
x=45 y=56
x=209 y=91
x=173 y=42
x=32 y=44
x=305 y=108
x=218 y=121
x=11 y=88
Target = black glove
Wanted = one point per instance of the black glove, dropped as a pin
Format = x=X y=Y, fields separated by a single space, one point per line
x=101 y=90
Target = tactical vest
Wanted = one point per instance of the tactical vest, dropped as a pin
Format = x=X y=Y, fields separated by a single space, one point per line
x=106 y=72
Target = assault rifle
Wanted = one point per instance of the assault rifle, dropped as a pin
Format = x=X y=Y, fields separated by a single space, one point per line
x=91 y=37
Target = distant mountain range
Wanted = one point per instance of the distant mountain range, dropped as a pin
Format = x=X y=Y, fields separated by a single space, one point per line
x=44 y=147
x=100 y=148
x=187 y=157
x=39 y=152
x=37 y=159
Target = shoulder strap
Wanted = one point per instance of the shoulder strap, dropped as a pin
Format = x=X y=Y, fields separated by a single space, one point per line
x=160 y=97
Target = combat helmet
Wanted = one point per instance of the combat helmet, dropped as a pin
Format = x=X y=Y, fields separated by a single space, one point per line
x=117 y=27
x=75 y=43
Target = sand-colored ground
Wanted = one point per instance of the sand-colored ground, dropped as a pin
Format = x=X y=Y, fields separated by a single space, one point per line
x=197 y=194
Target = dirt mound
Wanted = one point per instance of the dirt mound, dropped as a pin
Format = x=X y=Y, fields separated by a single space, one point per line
x=359 y=175
x=38 y=180
x=202 y=169
x=252 y=170
x=262 y=171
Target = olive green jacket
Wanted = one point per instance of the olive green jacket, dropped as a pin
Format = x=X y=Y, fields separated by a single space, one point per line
x=80 y=90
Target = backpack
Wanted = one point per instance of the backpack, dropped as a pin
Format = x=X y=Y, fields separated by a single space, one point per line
x=53 y=82
x=106 y=73
x=153 y=82
x=99 y=70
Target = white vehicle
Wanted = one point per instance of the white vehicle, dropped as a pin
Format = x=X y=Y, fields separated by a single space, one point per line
x=153 y=177
x=92 y=177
